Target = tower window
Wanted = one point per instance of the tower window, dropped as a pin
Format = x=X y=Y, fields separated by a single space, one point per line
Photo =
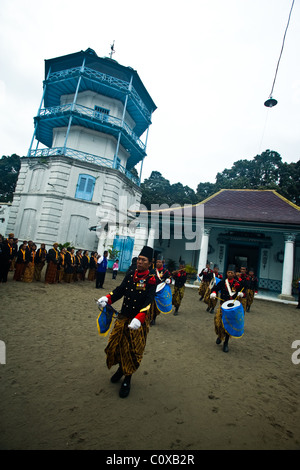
x=101 y=113
x=85 y=187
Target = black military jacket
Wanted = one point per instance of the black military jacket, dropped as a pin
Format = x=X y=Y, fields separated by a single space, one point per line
x=138 y=290
x=224 y=293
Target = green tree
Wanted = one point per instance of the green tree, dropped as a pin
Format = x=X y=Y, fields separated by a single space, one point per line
x=289 y=183
x=204 y=190
x=263 y=172
x=9 y=171
x=158 y=190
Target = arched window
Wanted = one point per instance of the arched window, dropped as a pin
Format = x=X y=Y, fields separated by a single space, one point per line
x=85 y=187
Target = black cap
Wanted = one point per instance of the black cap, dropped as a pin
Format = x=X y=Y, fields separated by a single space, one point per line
x=147 y=251
x=231 y=267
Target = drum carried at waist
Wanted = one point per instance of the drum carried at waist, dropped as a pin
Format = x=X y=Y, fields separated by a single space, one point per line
x=233 y=318
x=163 y=298
x=105 y=318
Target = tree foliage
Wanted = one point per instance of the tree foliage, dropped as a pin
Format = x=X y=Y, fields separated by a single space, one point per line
x=265 y=171
x=9 y=171
x=158 y=190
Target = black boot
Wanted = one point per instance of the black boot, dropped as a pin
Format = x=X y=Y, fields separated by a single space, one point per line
x=176 y=311
x=117 y=375
x=125 y=387
x=218 y=341
x=225 y=346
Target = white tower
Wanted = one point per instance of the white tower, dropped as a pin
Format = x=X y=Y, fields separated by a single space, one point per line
x=88 y=131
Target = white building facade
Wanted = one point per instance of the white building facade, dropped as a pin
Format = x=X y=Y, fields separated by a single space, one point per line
x=80 y=175
x=256 y=228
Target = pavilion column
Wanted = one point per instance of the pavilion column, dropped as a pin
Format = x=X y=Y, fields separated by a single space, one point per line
x=204 y=248
x=151 y=237
x=288 y=266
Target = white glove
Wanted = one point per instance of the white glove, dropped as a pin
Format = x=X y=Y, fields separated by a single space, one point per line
x=240 y=294
x=134 y=324
x=213 y=295
x=102 y=302
x=168 y=281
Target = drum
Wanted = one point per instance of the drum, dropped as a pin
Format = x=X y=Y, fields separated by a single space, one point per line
x=163 y=298
x=104 y=320
x=233 y=318
x=215 y=280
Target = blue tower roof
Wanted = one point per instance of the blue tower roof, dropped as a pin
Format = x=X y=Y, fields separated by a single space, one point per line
x=102 y=75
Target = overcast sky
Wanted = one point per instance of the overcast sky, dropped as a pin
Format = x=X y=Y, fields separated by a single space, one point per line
x=208 y=65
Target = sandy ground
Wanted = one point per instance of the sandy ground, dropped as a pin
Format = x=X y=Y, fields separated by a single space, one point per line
x=187 y=395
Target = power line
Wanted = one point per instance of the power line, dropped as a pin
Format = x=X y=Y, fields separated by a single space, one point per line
x=271 y=101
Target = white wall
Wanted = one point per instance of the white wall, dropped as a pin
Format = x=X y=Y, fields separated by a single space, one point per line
x=45 y=209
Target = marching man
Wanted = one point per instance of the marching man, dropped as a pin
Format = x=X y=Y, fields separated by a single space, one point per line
x=229 y=288
x=127 y=340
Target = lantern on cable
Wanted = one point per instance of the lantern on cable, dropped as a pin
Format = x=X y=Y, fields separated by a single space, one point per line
x=271 y=102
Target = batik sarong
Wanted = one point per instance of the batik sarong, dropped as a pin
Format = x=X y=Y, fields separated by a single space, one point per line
x=177 y=296
x=126 y=346
x=50 y=277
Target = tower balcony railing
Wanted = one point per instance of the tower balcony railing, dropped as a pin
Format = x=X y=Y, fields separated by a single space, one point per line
x=94 y=116
x=100 y=77
x=85 y=157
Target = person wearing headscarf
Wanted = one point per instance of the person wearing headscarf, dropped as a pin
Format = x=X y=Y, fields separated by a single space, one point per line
x=128 y=337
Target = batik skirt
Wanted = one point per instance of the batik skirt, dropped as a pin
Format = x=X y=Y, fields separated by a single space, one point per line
x=50 y=277
x=177 y=296
x=126 y=346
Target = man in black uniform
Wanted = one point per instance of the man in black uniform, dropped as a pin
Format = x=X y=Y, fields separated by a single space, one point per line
x=127 y=340
x=162 y=275
x=229 y=288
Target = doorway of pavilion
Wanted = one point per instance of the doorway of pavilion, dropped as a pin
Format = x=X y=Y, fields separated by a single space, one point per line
x=240 y=254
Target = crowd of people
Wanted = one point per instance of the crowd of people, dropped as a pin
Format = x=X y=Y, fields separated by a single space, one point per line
x=139 y=289
x=27 y=261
